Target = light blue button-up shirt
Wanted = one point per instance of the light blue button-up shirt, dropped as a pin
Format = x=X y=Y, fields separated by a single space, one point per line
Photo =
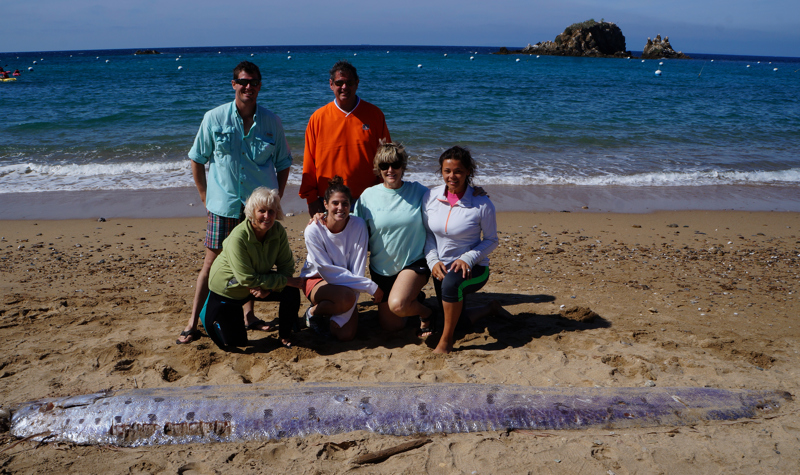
x=239 y=163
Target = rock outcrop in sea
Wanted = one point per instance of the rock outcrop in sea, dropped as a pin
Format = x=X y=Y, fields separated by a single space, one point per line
x=658 y=48
x=146 y=51
x=591 y=39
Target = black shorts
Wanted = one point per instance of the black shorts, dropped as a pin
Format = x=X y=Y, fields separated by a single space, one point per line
x=386 y=282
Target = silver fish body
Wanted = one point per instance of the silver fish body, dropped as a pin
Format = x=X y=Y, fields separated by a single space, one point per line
x=139 y=417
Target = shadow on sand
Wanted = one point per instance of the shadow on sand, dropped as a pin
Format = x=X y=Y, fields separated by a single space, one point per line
x=513 y=330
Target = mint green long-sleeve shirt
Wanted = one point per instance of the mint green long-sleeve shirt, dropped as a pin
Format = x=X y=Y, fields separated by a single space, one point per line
x=246 y=263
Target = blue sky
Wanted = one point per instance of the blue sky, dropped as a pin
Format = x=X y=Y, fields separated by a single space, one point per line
x=769 y=27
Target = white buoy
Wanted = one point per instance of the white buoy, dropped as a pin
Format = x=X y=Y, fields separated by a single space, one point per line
x=34 y=61
x=387 y=52
x=774 y=69
x=758 y=62
x=108 y=60
x=518 y=60
x=30 y=68
x=219 y=52
x=251 y=55
x=180 y=67
x=288 y=57
x=658 y=72
x=712 y=60
x=288 y=52
x=661 y=63
x=643 y=61
x=537 y=55
x=419 y=65
x=177 y=59
x=748 y=65
x=445 y=55
x=471 y=58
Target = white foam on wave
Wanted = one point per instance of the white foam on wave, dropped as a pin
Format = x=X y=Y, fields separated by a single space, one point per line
x=29 y=177
x=689 y=178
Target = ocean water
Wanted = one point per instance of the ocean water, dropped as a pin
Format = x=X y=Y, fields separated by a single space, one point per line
x=109 y=120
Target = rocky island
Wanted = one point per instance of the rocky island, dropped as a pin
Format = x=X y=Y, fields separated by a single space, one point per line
x=590 y=39
x=146 y=51
x=657 y=49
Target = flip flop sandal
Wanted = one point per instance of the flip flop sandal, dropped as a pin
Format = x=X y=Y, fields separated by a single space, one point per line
x=257 y=324
x=430 y=329
x=192 y=335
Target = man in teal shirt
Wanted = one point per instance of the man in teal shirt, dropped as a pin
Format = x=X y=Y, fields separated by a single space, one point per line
x=245 y=147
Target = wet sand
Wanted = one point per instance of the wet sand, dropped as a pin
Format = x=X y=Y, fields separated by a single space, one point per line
x=185 y=202
x=686 y=298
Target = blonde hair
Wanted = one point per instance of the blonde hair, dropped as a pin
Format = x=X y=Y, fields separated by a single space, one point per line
x=390 y=152
x=263 y=197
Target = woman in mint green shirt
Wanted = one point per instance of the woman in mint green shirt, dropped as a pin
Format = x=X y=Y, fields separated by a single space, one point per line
x=256 y=263
x=393 y=212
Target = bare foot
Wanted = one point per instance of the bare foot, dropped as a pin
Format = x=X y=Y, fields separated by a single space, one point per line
x=444 y=347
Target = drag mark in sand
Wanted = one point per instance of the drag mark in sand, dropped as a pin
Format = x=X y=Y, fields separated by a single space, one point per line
x=139 y=417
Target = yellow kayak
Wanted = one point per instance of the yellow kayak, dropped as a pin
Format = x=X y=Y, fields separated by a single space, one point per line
x=8 y=79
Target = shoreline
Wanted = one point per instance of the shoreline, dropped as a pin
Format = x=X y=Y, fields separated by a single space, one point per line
x=185 y=202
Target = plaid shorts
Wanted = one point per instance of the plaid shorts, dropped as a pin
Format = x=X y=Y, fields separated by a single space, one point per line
x=218 y=228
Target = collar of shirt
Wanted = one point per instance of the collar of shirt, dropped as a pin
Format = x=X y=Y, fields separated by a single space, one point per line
x=465 y=201
x=358 y=101
x=239 y=121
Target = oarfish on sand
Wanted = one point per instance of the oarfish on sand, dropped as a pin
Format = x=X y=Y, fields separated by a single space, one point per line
x=136 y=417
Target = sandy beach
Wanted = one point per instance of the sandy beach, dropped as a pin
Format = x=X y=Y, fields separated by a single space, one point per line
x=683 y=298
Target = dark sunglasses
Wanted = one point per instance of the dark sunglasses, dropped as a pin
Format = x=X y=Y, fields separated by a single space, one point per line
x=245 y=82
x=385 y=166
x=342 y=82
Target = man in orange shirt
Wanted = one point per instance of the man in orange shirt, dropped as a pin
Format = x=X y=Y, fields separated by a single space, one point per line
x=341 y=139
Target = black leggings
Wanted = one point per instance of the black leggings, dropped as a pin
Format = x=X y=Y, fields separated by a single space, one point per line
x=229 y=312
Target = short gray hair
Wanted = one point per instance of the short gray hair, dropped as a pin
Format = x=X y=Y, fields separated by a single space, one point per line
x=263 y=197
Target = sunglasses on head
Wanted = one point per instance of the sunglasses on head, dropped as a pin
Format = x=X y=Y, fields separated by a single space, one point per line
x=245 y=82
x=342 y=82
x=385 y=166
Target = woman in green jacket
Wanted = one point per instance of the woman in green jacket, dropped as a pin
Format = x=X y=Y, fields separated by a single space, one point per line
x=256 y=263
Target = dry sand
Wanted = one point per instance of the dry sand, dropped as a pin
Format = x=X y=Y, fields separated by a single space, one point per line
x=688 y=298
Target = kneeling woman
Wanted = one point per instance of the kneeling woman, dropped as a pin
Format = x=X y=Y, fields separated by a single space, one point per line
x=256 y=263
x=393 y=213
x=461 y=232
x=334 y=268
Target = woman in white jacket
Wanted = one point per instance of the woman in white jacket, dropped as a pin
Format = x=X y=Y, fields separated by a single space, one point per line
x=334 y=268
x=461 y=232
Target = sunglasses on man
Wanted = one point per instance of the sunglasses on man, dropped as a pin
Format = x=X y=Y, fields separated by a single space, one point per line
x=245 y=82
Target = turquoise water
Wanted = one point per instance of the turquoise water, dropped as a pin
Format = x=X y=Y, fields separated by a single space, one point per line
x=92 y=120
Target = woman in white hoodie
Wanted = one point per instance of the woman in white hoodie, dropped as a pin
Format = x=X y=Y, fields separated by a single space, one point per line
x=335 y=265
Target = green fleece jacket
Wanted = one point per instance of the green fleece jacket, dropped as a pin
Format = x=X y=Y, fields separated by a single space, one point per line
x=246 y=263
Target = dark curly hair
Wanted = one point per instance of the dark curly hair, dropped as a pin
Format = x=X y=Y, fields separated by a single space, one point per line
x=462 y=155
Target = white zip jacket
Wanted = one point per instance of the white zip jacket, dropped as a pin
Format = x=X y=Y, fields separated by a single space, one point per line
x=466 y=231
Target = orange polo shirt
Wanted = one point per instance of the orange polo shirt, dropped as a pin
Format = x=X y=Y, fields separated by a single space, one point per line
x=344 y=144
